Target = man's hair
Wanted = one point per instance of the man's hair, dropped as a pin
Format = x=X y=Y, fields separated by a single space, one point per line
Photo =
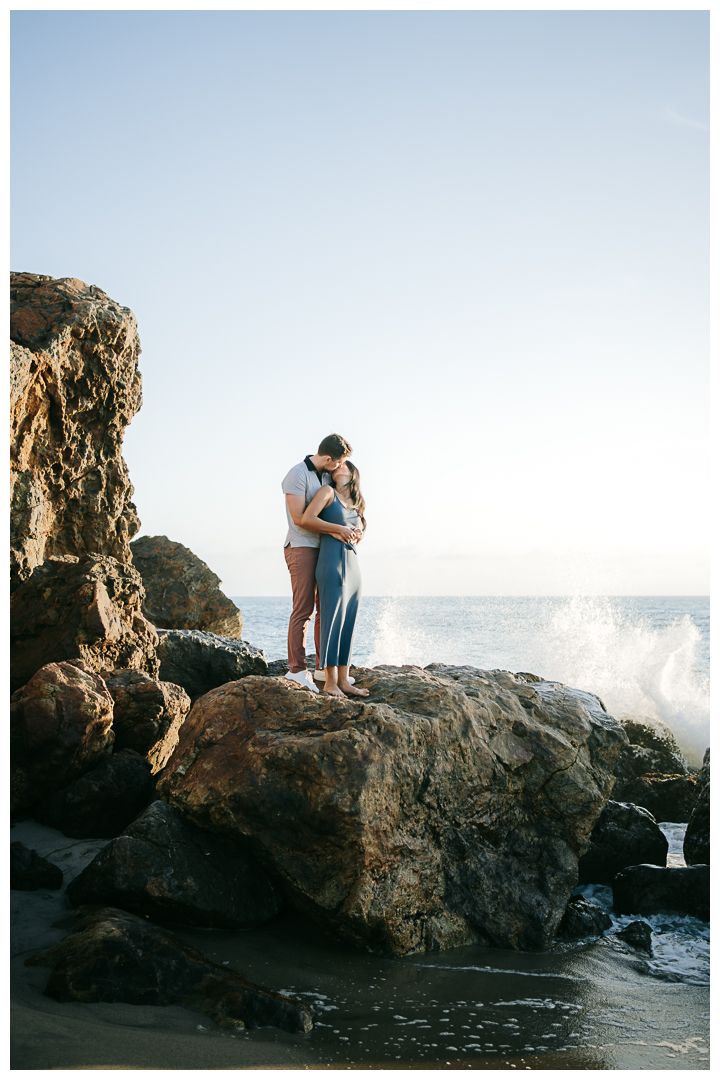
x=334 y=446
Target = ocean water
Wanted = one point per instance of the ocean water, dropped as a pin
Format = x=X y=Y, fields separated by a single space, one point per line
x=644 y=656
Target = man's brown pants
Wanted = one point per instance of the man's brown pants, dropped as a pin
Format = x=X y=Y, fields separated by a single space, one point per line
x=301 y=562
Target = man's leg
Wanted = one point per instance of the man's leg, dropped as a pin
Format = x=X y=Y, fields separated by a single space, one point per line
x=301 y=562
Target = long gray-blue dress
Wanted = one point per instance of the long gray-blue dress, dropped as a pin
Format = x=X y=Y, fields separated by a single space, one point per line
x=340 y=587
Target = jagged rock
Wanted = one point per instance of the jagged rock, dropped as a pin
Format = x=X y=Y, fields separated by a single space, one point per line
x=170 y=871
x=199 y=661
x=703 y=774
x=667 y=798
x=656 y=736
x=624 y=835
x=113 y=956
x=103 y=802
x=75 y=387
x=60 y=726
x=29 y=871
x=638 y=935
x=147 y=715
x=696 y=844
x=649 y=890
x=280 y=667
x=89 y=609
x=181 y=591
x=449 y=808
x=583 y=918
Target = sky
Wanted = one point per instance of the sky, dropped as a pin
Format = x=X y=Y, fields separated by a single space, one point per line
x=474 y=243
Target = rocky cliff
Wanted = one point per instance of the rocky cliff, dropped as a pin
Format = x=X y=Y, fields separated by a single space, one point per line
x=75 y=386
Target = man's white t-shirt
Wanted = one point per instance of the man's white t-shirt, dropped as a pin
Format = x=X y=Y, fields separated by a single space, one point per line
x=304 y=481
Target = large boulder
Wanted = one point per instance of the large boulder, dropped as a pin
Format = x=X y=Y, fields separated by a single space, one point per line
x=651 y=890
x=113 y=956
x=199 y=661
x=624 y=835
x=87 y=609
x=696 y=843
x=29 y=871
x=667 y=798
x=147 y=714
x=60 y=726
x=181 y=591
x=449 y=808
x=75 y=386
x=101 y=803
x=169 y=870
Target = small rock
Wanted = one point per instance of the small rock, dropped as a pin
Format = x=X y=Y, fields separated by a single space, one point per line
x=624 y=835
x=114 y=956
x=103 y=802
x=199 y=661
x=169 y=870
x=29 y=871
x=583 y=918
x=638 y=935
x=696 y=845
x=650 y=890
x=147 y=714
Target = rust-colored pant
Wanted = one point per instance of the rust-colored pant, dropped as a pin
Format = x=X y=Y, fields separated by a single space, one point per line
x=301 y=562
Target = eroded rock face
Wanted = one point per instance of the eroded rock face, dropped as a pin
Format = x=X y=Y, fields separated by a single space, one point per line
x=148 y=714
x=60 y=726
x=181 y=591
x=75 y=386
x=103 y=801
x=624 y=835
x=449 y=808
x=667 y=798
x=649 y=890
x=199 y=661
x=113 y=956
x=87 y=609
x=169 y=870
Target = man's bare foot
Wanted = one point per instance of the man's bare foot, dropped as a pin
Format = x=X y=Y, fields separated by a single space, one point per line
x=333 y=691
x=355 y=691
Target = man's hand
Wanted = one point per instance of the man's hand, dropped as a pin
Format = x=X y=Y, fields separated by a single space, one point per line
x=344 y=533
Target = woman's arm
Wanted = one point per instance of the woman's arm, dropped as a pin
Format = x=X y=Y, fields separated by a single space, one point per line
x=311 y=521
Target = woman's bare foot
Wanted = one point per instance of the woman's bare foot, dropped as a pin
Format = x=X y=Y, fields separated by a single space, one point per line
x=355 y=691
x=333 y=691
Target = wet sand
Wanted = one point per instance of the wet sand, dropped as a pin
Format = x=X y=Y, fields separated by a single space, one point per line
x=588 y=1007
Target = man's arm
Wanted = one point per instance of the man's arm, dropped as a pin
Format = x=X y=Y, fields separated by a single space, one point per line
x=296 y=505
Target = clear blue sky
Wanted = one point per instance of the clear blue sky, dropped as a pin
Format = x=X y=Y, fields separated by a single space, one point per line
x=474 y=243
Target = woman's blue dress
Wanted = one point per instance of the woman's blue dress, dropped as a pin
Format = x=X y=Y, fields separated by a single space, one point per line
x=339 y=586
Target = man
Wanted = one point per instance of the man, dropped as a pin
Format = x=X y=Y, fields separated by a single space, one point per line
x=302 y=547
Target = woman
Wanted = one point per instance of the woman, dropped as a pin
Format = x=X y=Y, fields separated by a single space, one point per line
x=338 y=577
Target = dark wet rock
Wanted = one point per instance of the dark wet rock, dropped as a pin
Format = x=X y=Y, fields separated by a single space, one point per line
x=703 y=774
x=60 y=727
x=147 y=714
x=624 y=835
x=181 y=591
x=103 y=802
x=657 y=737
x=279 y=667
x=113 y=956
x=448 y=808
x=583 y=918
x=29 y=871
x=649 y=890
x=667 y=798
x=171 y=871
x=86 y=609
x=638 y=935
x=75 y=386
x=696 y=845
x=199 y=661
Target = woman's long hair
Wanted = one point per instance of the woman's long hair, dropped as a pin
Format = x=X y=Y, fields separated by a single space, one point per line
x=354 y=491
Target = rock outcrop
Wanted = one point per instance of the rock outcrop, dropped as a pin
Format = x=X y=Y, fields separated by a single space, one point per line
x=87 y=609
x=102 y=802
x=169 y=870
x=199 y=661
x=624 y=835
x=667 y=798
x=650 y=890
x=60 y=726
x=696 y=844
x=113 y=956
x=449 y=808
x=662 y=753
x=75 y=386
x=147 y=714
x=181 y=591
